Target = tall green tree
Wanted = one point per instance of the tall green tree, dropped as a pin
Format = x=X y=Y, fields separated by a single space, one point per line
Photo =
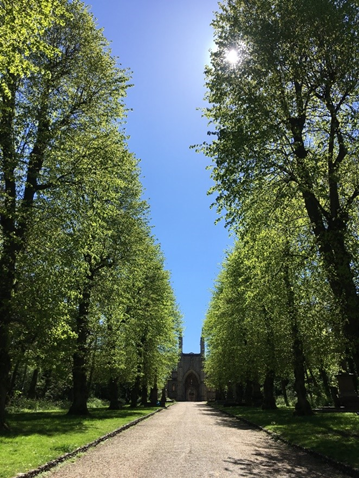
x=285 y=114
x=59 y=95
x=272 y=312
x=140 y=327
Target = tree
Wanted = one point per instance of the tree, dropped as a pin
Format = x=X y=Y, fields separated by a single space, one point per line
x=59 y=95
x=140 y=324
x=155 y=322
x=286 y=117
x=272 y=314
x=22 y=27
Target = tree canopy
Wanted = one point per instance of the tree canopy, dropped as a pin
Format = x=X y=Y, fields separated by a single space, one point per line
x=73 y=223
x=285 y=119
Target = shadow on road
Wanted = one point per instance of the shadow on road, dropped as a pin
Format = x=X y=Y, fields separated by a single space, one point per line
x=269 y=458
x=223 y=419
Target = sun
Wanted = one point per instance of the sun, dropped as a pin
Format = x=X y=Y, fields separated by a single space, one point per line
x=232 y=56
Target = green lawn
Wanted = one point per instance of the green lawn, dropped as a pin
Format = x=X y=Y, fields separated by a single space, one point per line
x=335 y=435
x=38 y=437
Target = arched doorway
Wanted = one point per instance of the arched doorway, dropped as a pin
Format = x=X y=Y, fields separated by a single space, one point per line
x=192 y=387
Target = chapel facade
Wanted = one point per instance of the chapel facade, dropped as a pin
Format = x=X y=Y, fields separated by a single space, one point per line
x=187 y=382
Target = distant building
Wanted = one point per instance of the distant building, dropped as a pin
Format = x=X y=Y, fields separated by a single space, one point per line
x=187 y=382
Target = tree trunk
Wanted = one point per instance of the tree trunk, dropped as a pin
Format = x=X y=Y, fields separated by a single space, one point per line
x=163 y=398
x=113 y=394
x=337 y=262
x=353 y=369
x=135 y=393
x=14 y=218
x=14 y=376
x=268 y=392
x=80 y=357
x=80 y=392
x=239 y=392
x=93 y=362
x=154 y=395
x=144 y=391
x=33 y=384
x=330 y=226
x=7 y=281
x=5 y=367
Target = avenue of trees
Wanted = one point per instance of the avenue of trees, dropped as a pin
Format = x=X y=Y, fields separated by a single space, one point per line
x=86 y=304
x=285 y=129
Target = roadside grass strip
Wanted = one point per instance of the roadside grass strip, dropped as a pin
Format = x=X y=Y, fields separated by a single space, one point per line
x=50 y=437
x=334 y=437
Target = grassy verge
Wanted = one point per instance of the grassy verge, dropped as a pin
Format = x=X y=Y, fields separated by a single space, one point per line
x=335 y=435
x=38 y=437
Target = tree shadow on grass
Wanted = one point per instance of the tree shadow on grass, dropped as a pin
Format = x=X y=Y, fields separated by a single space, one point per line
x=267 y=465
x=54 y=423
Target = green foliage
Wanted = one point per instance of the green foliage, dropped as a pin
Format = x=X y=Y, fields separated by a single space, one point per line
x=139 y=331
x=22 y=27
x=285 y=126
x=74 y=229
x=250 y=326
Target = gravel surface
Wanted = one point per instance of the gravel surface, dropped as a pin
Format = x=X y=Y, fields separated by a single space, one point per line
x=193 y=440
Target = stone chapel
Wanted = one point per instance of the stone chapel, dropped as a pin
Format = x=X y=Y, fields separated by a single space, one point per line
x=187 y=382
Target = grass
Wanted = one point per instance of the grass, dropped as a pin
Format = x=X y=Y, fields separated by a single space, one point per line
x=335 y=435
x=38 y=437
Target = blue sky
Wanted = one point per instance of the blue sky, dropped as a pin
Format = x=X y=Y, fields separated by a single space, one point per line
x=165 y=44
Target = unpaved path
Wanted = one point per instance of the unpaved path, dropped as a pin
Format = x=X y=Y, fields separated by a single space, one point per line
x=193 y=440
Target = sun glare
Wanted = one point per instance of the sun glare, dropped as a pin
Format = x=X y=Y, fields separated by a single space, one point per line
x=232 y=56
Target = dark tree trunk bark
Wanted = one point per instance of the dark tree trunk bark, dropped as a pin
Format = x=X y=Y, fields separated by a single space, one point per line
x=353 y=369
x=113 y=391
x=163 y=398
x=144 y=392
x=33 y=384
x=248 y=393
x=135 y=392
x=239 y=392
x=7 y=286
x=80 y=357
x=14 y=376
x=154 y=395
x=92 y=368
x=268 y=392
x=15 y=219
x=220 y=395
x=330 y=226
x=5 y=367
x=337 y=261
x=79 y=379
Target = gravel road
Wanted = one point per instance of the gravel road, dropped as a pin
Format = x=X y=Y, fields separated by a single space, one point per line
x=193 y=440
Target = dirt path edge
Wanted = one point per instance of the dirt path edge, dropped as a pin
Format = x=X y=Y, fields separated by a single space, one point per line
x=51 y=464
x=348 y=470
